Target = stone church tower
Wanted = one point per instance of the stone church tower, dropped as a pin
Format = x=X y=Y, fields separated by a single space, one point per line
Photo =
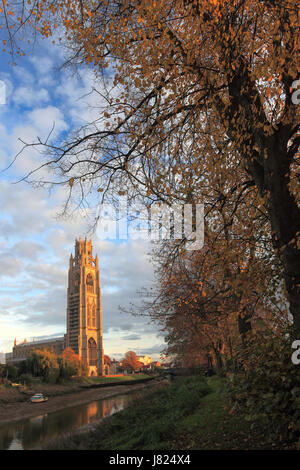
x=84 y=313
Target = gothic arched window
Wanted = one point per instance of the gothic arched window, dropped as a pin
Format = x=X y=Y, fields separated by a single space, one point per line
x=92 y=348
x=94 y=316
x=77 y=282
x=90 y=283
x=91 y=315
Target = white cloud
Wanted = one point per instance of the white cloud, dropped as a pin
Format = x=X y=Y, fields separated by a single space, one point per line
x=37 y=123
x=34 y=245
x=23 y=75
x=34 y=255
x=27 y=249
x=42 y=120
x=27 y=96
x=10 y=266
x=43 y=65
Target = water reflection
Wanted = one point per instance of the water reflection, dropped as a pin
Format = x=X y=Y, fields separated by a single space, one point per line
x=31 y=432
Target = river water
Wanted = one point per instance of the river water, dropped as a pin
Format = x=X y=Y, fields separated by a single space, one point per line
x=32 y=432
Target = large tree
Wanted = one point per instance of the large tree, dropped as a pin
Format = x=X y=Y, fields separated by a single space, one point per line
x=207 y=301
x=191 y=80
x=131 y=361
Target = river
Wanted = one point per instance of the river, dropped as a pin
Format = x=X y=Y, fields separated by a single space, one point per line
x=33 y=432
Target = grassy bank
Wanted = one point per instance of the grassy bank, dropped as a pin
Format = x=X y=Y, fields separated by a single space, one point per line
x=120 y=379
x=190 y=413
x=10 y=394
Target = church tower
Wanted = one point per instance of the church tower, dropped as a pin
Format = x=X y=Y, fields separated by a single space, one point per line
x=84 y=313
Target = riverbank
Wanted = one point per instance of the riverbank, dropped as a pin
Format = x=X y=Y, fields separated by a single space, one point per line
x=64 y=397
x=189 y=414
x=21 y=393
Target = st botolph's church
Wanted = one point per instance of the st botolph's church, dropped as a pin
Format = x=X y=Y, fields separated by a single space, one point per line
x=84 y=314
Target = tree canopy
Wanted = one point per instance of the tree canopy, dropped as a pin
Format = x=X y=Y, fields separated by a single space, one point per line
x=131 y=361
x=193 y=93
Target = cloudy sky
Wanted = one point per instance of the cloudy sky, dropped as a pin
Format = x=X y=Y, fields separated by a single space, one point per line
x=34 y=244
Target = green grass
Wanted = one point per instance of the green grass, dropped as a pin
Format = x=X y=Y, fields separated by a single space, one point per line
x=10 y=394
x=213 y=426
x=191 y=413
x=147 y=422
x=122 y=378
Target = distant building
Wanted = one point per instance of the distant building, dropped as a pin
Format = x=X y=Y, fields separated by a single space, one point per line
x=156 y=364
x=8 y=358
x=114 y=367
x=151 y=366
x=145 y=360
x=22 y=350
x=2 y=357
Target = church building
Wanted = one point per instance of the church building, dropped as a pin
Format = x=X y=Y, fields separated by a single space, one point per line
x=84 y=314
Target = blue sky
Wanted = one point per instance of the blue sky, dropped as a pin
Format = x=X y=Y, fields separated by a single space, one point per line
x=34 y=245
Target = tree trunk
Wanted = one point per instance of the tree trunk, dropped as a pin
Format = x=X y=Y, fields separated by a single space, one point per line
x=219 y=362
x=284 y=215
x=244 y=325
x=268 y=159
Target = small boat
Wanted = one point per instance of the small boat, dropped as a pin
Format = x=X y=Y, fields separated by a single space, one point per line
x=38 y=398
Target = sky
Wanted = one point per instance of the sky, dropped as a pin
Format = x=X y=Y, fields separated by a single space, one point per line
x=35 y=244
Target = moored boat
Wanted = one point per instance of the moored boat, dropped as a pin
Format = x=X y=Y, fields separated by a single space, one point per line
x=38 y=398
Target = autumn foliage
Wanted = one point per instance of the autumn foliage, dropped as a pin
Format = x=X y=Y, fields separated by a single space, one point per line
x=107 y=360
x=131 y=362
x=198 y=103
x=51 y=367
x=200 y=91
x=201 y=109
x=268 y=387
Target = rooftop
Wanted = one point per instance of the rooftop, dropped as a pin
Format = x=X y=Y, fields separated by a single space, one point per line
x=42 y=341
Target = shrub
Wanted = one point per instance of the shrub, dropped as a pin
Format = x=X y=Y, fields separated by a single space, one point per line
x=10 y=372
x=26 y=379
x=152 y=419
x=268 y=386
x=70 y=364
x=66 y=371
